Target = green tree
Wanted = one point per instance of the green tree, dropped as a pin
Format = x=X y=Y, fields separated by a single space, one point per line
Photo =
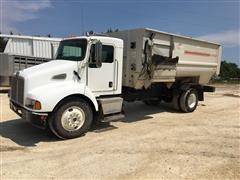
x=109 y=30
x=229 y=71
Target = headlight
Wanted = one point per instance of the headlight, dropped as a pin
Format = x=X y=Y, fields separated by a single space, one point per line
x=33 y=104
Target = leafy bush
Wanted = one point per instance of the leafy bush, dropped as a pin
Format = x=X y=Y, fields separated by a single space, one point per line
x=229 y=71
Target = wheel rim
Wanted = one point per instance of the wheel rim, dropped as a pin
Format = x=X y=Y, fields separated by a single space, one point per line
x=192 y=100
x=73 y=118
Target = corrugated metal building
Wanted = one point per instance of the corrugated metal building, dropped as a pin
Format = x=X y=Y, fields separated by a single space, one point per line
x=41 y=47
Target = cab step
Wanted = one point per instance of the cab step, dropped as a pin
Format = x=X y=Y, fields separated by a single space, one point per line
x=113 y=118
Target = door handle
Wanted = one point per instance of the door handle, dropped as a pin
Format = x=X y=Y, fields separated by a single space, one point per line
x=110 y=84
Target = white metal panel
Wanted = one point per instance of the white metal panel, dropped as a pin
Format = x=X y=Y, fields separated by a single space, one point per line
x=30 y=37
x=40 y=47
x=99 y=78
x=19 y=47
x=196 y=58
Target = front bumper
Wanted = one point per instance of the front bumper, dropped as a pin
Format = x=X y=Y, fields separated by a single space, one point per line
x=37 y=119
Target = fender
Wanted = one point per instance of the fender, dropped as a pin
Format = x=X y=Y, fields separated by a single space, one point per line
x=50 y=94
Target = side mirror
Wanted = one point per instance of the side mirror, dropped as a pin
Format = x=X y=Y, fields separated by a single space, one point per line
x=98 y=54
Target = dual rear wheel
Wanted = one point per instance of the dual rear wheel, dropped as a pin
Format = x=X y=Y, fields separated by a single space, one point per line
x=186 y=101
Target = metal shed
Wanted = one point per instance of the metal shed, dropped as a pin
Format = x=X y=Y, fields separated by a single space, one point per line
x=41 y=47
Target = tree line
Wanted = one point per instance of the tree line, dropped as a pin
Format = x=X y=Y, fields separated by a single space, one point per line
x=229 y=71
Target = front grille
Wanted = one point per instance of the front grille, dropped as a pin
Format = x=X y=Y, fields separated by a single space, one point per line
x=17 y=89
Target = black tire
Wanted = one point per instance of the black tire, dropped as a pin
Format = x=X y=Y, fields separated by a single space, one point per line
x=175 y=102
x=56 y=124
x=151 y=102
x=185 y=103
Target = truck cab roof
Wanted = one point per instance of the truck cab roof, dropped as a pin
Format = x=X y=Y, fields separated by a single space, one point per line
x=104 y=39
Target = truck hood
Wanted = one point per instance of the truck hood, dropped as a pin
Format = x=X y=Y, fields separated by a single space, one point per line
x=43 y=74
x=51 y=67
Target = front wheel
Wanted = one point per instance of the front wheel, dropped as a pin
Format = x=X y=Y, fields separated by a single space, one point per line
x=72 y=119
x=188 y=100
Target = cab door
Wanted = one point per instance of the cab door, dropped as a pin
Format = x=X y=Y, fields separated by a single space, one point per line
x=102 y=79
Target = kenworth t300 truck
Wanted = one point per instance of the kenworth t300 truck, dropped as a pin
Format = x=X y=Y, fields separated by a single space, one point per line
x=92 y=76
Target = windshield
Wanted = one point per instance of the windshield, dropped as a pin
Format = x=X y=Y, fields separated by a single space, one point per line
x=73 y=50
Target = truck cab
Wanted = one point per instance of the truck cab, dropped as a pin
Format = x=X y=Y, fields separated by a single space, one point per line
x=66 y=94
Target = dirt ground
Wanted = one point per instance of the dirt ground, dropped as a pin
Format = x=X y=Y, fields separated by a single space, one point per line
x=150 y=143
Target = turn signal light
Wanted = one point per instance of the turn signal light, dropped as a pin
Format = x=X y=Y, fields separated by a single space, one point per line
x=37 y=105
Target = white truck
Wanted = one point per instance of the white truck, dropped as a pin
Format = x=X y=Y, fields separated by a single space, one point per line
x=93 y=75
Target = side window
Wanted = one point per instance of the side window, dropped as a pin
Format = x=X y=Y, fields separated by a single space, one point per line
x=107 y=53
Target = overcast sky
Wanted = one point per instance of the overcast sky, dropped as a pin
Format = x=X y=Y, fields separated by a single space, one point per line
x=211 y=20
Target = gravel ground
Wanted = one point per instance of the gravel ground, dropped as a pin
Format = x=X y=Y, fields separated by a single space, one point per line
x=150 y=143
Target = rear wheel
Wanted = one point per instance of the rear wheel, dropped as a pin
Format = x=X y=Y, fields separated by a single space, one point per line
x=72 y=119
x=188 y=100
x=175 y=102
